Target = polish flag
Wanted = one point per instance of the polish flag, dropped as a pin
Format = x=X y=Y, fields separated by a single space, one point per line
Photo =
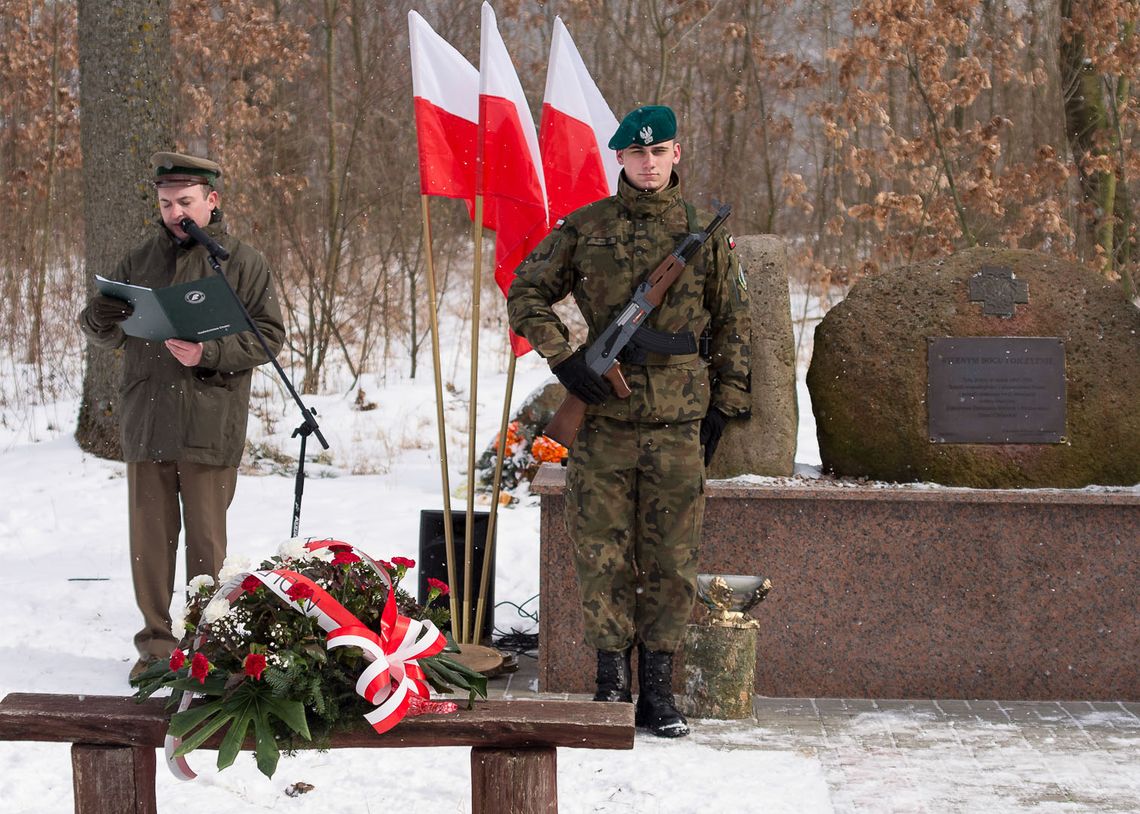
x=577 y=125
x=446 y=91
x=509 y=178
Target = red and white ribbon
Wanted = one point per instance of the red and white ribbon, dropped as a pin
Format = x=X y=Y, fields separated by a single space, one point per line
x=393 y=678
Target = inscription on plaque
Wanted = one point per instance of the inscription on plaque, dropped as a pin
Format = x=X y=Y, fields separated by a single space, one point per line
x=996 y=390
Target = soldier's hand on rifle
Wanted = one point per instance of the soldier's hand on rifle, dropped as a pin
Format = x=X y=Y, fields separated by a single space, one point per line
x=582 y=382
x=712 y=428
x=107 y=312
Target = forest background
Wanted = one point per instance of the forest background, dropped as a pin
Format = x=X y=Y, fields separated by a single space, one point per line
x=866 y=133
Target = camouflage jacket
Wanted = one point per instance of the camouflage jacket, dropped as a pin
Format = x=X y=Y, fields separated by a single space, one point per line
x=169 y=412
x=600 y=253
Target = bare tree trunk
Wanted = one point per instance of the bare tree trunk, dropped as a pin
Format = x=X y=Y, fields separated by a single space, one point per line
x=1091 y=114
x=34 y=352
x=124 y=63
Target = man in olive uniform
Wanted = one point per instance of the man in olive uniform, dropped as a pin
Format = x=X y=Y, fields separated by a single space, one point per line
x=635 y=484
x=183 y=405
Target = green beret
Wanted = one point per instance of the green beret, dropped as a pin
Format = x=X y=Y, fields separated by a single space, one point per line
x=646 y=125
x=176 y=169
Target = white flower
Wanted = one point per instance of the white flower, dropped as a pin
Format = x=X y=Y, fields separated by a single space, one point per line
x=232 y=567
x=217 y=609
x=293 y=549
x=199 y=582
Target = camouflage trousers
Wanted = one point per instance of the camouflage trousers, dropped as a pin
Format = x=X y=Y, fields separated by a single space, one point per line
x=635 y=498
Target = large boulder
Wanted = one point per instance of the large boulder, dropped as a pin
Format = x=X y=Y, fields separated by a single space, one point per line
x=868 y=374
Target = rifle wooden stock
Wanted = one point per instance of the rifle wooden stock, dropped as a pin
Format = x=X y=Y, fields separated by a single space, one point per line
x=570 y=414
x=567 y=419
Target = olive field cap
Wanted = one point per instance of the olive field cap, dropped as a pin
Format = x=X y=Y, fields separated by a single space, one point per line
x=646 y=125
x=176 y=169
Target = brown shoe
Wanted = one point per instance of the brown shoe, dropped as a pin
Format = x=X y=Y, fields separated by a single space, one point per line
x=141 y=666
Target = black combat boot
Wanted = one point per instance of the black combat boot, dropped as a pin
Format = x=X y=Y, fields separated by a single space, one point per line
x=613 y=676
x=656 y=709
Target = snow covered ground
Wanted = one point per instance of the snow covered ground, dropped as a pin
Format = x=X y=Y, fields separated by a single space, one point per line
x=68 y=615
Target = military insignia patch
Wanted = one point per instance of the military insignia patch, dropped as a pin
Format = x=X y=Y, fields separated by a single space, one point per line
x=741 y=280
x=559 y=222
x=731 y=242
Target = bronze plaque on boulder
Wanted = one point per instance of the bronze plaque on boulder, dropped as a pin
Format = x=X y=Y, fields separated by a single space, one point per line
x=996 y=390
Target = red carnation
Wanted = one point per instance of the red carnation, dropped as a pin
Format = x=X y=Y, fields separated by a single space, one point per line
x=403 y=562
x=177 y=659
x=386 y=565
x=299 y=591
x=200 y=667
x=344 y=557
x=250 y=583
x=254 y=665
x=438 y=585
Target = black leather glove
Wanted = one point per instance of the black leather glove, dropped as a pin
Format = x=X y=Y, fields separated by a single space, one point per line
x=107 y=312
x=712 y=428
x=577 y=377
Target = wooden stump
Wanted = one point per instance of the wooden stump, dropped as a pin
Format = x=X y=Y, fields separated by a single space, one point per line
x=514 y=781
x=720 y=671
x=113 y=779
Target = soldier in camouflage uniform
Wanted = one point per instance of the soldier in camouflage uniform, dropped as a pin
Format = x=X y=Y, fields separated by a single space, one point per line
x=635 y=483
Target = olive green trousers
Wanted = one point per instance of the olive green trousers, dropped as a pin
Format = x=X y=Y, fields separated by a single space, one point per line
x=161 y=495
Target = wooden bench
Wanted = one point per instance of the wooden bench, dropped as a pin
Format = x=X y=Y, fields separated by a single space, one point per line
x=513 y=743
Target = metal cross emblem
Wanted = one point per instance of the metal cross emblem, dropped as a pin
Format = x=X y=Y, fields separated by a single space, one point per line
x=998 y=291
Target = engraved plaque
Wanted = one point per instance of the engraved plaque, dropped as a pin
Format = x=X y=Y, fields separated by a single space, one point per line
x=996 y=390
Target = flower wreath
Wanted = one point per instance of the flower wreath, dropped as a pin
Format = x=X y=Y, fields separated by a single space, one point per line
x=269 y=670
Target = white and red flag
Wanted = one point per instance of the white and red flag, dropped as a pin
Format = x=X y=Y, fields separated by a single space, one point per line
x=510 y=177
x=577 y=125
x=446 y=91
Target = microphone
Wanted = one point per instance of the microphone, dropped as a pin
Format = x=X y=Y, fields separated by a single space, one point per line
x=195 y=231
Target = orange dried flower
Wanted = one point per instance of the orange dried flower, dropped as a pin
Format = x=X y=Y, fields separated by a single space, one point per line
x=547 y=450
x=514 y=438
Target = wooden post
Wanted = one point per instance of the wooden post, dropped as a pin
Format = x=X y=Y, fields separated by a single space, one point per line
x=514 y=781
x=440 y=422
x=720 y=671
x=113 y=779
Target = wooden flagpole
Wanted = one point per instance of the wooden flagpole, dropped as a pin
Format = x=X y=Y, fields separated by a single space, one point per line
x=448 y=529
x=489 y=543
x=468 y=540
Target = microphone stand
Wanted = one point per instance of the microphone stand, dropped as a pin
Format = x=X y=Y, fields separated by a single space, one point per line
x=308 y=424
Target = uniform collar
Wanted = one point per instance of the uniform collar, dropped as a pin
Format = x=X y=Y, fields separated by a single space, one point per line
x=652 y=204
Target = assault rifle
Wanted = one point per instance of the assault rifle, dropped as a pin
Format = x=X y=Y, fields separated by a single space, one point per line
x=629 y=329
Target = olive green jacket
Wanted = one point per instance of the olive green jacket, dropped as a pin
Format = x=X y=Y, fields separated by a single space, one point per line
x=170 y=412
x=599 y=254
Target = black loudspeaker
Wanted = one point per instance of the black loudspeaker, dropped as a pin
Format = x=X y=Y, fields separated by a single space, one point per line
x=433 y=563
